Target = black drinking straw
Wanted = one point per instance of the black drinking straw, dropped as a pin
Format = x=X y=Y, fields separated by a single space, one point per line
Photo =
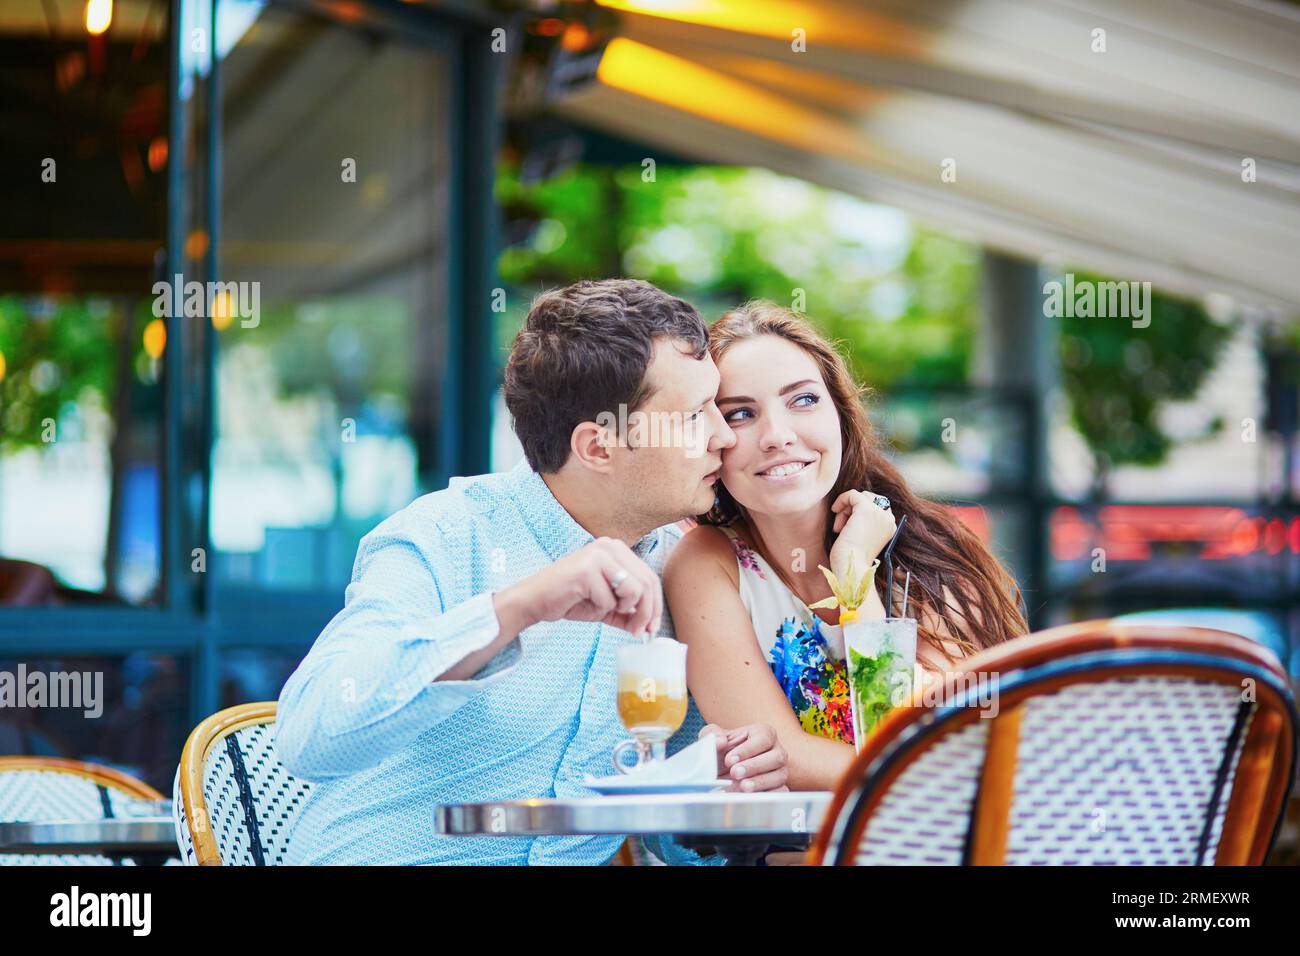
x=889 y=565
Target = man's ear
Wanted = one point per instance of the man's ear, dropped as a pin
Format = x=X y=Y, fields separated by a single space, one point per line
x=593 y=446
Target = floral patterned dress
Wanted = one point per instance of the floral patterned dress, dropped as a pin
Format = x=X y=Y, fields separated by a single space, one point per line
x=805 y=653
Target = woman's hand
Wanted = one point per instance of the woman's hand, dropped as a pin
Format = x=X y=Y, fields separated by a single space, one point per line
x=864 y=528
x=751 y=756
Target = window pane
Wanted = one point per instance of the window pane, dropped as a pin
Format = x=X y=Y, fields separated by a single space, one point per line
x=248 y=675
x=127 y=711
x=83 y=153
x=958 y=442
x=334 y=205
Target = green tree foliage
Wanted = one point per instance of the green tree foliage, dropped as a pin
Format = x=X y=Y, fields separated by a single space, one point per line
x=354 y=348
x=57 y=352
x=902 y=299
x=1116 y=377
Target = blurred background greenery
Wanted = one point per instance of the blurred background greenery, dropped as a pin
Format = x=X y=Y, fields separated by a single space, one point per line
x=902 y=300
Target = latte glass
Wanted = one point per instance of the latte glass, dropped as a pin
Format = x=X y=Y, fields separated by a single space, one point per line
x=651 y=698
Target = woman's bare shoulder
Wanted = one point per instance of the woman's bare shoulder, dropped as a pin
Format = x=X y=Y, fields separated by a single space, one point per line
x=703 y=547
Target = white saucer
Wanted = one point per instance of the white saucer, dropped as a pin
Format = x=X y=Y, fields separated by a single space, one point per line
x=628 y=785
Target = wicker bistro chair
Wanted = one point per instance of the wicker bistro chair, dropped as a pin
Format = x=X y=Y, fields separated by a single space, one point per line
x=34 y=789
x=1111 y=744
x=235 y=803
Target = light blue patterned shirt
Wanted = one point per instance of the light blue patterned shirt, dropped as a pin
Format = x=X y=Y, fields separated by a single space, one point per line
x=384 y=743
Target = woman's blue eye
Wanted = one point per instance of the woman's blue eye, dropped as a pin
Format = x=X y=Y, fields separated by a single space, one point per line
x=813 y=399
x=731 y=416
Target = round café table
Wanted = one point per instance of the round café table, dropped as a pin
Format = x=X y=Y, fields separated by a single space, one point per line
x=720 y=820
x=105 y=837
x=144 y=832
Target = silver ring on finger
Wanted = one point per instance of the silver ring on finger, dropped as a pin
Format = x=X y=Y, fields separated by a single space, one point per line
x=881 y=502
x=618 y=579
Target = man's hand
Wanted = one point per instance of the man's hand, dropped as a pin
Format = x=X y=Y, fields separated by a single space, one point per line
x=751 y=757
x=603 y=581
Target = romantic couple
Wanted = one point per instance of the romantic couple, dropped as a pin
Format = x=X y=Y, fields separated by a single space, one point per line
x=474 y=659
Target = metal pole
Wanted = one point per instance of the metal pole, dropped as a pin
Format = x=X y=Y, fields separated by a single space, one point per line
x=1014 y=354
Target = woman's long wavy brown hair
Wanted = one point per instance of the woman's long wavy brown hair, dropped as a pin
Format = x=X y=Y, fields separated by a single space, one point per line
x=940 y=551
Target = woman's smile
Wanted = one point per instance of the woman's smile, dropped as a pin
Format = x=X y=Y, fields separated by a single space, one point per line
x=787 y=469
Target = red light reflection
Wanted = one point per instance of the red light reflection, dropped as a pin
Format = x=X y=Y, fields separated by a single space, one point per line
x=1135 y=532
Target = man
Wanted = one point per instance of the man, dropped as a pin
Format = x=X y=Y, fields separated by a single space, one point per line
x=474 y=658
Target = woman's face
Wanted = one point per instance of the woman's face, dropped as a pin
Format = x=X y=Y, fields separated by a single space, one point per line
x=788 y=446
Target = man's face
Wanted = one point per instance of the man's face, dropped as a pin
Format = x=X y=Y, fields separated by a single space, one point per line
x=674 y=441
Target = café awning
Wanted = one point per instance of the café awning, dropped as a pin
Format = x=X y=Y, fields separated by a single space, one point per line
x=1147 y=140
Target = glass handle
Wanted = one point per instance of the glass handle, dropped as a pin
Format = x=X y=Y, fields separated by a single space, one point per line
x=618 y=753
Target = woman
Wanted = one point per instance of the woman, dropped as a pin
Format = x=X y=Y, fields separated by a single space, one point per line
x=808 y=484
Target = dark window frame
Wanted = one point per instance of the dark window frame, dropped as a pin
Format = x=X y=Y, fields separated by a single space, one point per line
x=187 y=623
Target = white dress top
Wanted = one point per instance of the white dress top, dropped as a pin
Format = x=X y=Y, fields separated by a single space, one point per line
x=805 y=653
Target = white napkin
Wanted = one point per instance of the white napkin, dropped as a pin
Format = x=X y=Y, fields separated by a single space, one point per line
x=697 y=763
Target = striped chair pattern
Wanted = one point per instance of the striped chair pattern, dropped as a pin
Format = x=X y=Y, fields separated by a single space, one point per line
x=1111 y=745
x=35 y=789
x=235 y=803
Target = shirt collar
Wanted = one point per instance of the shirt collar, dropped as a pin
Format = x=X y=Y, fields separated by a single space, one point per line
x=551 y=524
